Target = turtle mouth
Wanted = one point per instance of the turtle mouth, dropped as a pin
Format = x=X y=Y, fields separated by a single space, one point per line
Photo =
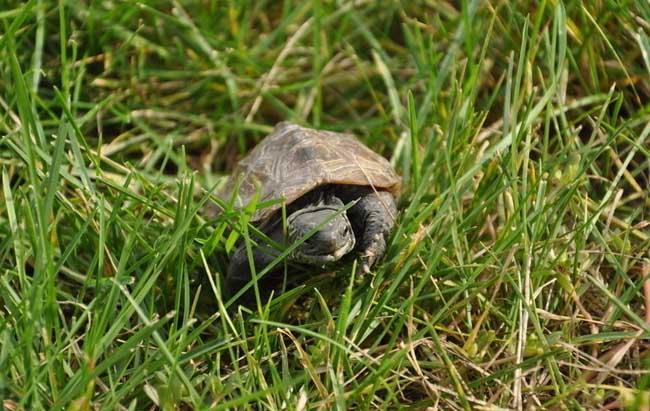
x=323 y=258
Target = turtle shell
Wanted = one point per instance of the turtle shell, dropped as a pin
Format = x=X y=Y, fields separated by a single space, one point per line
x=294 y=160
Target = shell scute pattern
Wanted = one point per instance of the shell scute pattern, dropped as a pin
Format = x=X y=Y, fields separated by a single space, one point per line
x=294 y=160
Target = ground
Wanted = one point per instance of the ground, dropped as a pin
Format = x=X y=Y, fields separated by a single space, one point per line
x=514 y=278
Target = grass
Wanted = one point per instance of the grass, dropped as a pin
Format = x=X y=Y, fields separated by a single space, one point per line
x=514 y=278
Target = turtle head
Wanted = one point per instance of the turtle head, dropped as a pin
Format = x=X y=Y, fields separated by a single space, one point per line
x=333 y=240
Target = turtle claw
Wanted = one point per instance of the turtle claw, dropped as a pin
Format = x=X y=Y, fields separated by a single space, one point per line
x=372 y=252
x=365 y=267
x=368 y=259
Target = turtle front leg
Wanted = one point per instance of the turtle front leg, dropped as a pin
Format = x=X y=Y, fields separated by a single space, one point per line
x=239 y=274
x=373 y=217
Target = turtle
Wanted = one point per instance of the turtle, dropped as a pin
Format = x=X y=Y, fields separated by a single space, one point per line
x=331 y=185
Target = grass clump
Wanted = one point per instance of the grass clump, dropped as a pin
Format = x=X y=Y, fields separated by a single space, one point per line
x=514 y=278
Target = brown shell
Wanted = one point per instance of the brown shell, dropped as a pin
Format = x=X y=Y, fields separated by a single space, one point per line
x=294 y=160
